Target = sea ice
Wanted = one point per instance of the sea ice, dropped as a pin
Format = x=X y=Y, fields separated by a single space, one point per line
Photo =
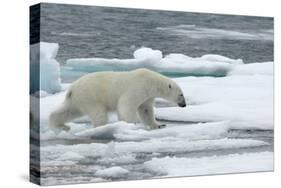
x=265 y=68
x=70 y=155
x=148 y=54
x=44 y=68
x=171 y=64
x=112 y=172
x=246 y=101
x=233 y=163
x=159 y=145
x=126 y=158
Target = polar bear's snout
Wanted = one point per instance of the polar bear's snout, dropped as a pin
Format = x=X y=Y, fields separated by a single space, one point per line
x=182 y=104
x=181 y=100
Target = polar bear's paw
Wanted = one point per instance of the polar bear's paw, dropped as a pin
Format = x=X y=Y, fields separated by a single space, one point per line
x=161 y=126
x=65 y=128
x=58 y=129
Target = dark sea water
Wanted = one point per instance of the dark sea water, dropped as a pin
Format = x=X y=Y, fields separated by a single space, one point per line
x=88 y=31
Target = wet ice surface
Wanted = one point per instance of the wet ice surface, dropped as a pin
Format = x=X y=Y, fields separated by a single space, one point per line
x=91 y=160
x=121 y=151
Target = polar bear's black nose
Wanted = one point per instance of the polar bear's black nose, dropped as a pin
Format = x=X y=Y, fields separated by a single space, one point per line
x=182 y=104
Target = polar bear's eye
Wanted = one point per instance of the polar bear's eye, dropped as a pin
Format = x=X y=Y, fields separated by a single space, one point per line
x=170 y=86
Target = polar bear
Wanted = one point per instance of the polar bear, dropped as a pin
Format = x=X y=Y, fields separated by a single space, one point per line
x=130 y=93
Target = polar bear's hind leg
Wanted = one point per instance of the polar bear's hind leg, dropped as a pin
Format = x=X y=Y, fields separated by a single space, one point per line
x=65 y=113
x=98 y=115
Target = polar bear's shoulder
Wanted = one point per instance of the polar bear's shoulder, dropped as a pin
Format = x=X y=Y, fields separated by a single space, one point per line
x=142 y=70
x=149 y=74
x=145 y=72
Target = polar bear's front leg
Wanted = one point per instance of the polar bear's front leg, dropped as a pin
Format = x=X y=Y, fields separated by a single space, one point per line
x=127 y=110
x=146 y=114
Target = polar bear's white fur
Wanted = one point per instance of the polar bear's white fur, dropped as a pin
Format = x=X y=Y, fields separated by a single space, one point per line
x=131 y=94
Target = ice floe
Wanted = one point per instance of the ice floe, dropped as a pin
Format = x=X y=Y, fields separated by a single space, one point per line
x=112 y=172
x=160 y=145
x=246 y=101
x=233 y=163
x=171 y=64
x=44 y=68
x=265 y=68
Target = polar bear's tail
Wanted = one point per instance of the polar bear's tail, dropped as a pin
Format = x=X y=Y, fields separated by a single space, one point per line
x=68 y=95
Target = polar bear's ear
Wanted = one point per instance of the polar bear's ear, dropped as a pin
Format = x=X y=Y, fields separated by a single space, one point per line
x=170 y=86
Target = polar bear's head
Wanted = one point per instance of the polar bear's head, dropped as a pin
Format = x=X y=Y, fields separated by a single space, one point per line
x=174 y=93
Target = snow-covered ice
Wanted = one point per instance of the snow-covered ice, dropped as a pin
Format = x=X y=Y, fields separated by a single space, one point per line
x=265 y=68
x=233 y=163
x=246 y=101
x=148 y=54
x=166 y=144
x=171 y=64
x=112 y=172
x=70 y=156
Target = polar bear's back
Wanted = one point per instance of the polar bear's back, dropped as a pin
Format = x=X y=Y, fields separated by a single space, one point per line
x=105 y=88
